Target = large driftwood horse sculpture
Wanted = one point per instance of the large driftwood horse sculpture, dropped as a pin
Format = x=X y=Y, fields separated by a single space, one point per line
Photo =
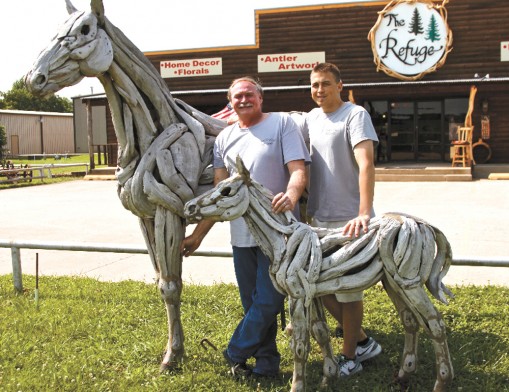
x=402 y=251
x=164 y=149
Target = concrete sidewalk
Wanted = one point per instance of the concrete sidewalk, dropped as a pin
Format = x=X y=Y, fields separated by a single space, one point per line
x=473 y=216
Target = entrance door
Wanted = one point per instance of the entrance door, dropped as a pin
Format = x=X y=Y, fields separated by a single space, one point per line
x=430 y=140
x=402 y=131
x=415 y=131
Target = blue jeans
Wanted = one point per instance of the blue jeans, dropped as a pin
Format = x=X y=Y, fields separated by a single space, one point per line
x=255 y=335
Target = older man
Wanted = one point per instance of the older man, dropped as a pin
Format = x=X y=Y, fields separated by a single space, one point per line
x=274 y=152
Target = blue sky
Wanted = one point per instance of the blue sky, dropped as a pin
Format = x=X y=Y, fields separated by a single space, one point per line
x=28 y=26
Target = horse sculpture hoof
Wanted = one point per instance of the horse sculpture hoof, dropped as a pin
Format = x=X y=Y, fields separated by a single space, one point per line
x=401 y=383
x=170 y=367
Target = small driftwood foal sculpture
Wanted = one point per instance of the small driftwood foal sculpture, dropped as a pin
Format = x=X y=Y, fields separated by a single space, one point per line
x=403 y=252
x=165 y=147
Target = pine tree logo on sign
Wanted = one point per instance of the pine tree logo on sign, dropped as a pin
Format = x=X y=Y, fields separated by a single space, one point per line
x=411 y=38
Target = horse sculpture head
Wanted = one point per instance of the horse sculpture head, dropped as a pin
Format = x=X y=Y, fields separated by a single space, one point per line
x=227 y=201
x=80 y=48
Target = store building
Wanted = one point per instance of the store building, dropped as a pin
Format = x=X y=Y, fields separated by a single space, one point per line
x=416 y=113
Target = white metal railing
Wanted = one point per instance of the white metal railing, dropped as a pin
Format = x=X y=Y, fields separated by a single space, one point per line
x=16 y=247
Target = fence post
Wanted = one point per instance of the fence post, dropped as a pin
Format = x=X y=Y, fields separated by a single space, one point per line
x=41 y=174
x=16 y=269
x=99 y=158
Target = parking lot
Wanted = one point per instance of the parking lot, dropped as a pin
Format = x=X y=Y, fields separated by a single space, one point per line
x=473 y=215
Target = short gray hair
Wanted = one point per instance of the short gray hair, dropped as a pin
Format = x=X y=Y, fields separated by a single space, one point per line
x=248 y=79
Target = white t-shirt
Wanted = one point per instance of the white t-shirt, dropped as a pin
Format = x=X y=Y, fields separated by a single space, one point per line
x=265 y=149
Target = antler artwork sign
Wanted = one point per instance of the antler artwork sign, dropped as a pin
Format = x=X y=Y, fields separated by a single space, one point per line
x=411 y=38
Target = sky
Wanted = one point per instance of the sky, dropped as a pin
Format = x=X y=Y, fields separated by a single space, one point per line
x=152 y=25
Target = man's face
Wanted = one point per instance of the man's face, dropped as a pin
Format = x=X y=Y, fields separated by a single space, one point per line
x=245 y=99
x=325 y=90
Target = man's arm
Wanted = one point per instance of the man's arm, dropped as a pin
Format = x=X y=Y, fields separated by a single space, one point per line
x=298 y=180
x=193 y=241
x=364 y=156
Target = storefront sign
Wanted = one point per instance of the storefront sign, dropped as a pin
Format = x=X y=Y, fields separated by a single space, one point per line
x=289 y=62
x=504 y=51
x=191 y=67
x=411 y=38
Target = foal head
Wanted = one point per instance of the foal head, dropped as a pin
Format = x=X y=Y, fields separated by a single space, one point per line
x=227 y=201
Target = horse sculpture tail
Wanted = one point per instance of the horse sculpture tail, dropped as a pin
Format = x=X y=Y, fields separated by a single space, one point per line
x=415 y=253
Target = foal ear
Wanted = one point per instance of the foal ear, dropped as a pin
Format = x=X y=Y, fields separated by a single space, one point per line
x=71 y=9
x=241 y=169
x=98 y=9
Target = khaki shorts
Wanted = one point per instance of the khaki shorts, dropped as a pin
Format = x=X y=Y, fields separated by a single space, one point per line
x=343 y=297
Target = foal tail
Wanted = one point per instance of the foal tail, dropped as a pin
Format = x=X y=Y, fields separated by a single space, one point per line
x=415 y=253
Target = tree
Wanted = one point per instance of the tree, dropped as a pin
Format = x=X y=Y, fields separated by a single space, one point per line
x=19 y=98
x=416 y=23
x=433 y=34
x=3 y=142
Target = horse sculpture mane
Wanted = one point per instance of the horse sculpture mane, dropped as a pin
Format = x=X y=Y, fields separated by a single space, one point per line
x=402 y=251
x=165 y=146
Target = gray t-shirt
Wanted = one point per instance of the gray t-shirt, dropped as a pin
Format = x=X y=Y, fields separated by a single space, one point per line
x=265 y=148
x=334 y=175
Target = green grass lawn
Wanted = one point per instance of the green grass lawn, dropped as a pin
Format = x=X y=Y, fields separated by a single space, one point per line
x=60 y=174
x=87 y=335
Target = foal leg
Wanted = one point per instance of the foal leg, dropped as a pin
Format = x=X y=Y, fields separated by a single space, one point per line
x=320 y=332
x=299 y=343
x=411 y=327
x=163 y=236
x=434 y=325
x=418 y=303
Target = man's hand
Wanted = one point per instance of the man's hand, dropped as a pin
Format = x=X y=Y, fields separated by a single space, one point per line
x=189 y=245
x=193 y=241
x=282 y=202
x=353 y=227
x=286 y=201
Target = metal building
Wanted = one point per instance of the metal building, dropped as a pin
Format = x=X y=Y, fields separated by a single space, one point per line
x=38 y=132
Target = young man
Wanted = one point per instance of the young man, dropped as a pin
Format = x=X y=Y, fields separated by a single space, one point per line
x=274 y=152
x=341 y=190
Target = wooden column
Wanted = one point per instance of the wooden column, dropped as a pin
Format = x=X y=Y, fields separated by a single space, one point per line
x=90 y=135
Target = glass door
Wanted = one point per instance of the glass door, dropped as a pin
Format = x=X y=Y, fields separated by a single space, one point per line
x=402 y=131
x=416 y=131
x=430 y=140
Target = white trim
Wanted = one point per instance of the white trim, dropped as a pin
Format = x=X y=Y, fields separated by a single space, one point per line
x=28 y=112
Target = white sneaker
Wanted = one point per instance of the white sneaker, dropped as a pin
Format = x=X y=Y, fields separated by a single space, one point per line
x=347 y=367
x=369 y=350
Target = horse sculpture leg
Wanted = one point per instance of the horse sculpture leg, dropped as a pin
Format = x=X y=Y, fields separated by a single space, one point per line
x=299 y=343
x=321 y=333
x=163 y=236
x=415 y=301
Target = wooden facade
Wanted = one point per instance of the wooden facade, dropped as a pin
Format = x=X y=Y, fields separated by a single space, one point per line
x=425 y=111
